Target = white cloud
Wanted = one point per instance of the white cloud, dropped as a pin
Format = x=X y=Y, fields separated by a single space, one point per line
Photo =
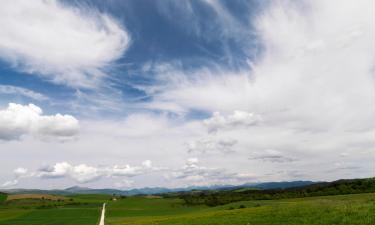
x=314 y=81
x=147 y=164
x=131 y=171
x=237 y=119
x=17 y=120
x=212 y=146
x=9 y=89
x=313 y=87
x=20 y=172
x=81 y=173
x=58 y=42
x=195 y=174
x=9 y=183
x=126 y=171
x=316 y=73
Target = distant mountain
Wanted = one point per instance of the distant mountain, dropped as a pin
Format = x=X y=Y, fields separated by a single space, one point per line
x=281 y=185
x=160 y=190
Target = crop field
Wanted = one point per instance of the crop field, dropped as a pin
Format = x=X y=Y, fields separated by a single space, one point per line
x=85 y=210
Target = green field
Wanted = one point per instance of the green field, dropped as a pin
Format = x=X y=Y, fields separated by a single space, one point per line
x=3 y=197
x=345 y=209
x=85 y=209
x=75 y=210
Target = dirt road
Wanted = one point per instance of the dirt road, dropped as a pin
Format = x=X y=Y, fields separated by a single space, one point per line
x=103 y=216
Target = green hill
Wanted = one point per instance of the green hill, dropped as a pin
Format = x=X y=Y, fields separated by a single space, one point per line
x=340 y=187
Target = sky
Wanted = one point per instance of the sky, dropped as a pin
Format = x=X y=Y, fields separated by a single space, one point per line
x=164 y=93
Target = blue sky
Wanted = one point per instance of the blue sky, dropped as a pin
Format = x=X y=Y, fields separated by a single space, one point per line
x=173 y=93
x=161 y=32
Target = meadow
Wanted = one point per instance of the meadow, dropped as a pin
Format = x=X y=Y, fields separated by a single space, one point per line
x=350 y=209
x=50 y=210
x=342 y=209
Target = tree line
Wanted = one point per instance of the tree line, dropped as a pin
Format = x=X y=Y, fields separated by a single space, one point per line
x=340 y=187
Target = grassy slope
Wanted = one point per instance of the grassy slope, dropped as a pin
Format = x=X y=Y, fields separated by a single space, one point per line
x=31 y=211
x=347 y=209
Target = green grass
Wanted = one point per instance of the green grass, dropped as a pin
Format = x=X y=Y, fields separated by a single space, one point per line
x=358 y=209
x=75 y=210
x=341 y=210
x=133 y=208
x=3 y=197
x=60 y=216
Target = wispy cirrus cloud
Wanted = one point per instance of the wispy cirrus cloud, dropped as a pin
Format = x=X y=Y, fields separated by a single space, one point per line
x=62 y=44
x=14 y=90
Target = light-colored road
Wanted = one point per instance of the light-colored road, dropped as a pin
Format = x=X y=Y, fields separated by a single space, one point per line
x=103 y=215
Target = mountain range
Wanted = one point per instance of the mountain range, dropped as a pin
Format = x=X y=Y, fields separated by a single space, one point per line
x=159 y=190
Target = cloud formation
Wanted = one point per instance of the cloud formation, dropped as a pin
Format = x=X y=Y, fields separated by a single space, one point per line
x=237 y=119
x=83 y=173
x=195 y=174
x=306 y=99
x=18 y=120
x=20 y=172
x=212 y=146
x=9 y=183
x=63 y=44
x=9 y=89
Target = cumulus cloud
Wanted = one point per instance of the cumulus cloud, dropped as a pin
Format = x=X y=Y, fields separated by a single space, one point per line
x=20 y=172
x=17 y=120
x=131 y=171
x=9 y=89
x=237 y=119
x=83 y=173
x=63 y=44
x=211 y=146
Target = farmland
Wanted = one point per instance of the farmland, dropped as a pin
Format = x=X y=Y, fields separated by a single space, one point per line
x=50 y=210
x=173 y=209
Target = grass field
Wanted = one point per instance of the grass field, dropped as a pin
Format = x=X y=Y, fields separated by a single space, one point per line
x=35 y=196
x=356 y=209
x=50 y=210
x=3 y=197
x=346 y=209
